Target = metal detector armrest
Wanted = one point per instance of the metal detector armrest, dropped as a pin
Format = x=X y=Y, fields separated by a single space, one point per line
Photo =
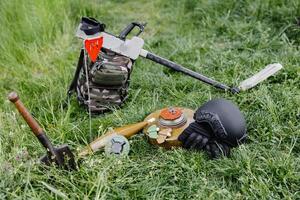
x=130 y=27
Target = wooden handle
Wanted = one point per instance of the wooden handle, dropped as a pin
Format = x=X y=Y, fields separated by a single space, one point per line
x=32 y=123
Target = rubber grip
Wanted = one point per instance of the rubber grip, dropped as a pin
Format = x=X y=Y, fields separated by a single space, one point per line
x=126 y=31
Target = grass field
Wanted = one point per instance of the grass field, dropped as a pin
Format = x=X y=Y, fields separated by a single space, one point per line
x=227 y=40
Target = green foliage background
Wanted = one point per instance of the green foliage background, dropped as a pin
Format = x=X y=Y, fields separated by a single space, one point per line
x=226 y=40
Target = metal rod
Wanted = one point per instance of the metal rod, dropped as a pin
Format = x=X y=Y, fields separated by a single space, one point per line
x=189 y=72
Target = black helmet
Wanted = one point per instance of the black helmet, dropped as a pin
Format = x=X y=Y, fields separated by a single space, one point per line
x=225 y=120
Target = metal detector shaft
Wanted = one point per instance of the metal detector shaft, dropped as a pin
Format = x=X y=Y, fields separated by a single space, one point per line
x=179 y=68
x=133 y=48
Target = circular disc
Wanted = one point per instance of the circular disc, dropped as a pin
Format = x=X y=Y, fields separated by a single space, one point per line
x=170 y=113
x=117 y=145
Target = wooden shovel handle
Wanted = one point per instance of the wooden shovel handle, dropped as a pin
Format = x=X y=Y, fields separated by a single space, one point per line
x=32 y=123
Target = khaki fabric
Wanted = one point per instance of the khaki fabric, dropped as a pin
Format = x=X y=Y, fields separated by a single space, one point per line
x=108 y=82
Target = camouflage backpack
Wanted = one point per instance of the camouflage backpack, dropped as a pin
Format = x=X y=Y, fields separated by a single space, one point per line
x=108 y=81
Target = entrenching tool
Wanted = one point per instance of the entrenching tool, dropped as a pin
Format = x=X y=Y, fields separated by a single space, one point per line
x=93 y=32
x=62 y=155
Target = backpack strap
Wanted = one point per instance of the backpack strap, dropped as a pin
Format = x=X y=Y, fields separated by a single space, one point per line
x=73 y=84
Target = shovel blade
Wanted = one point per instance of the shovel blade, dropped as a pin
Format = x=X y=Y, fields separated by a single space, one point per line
x=64 y=153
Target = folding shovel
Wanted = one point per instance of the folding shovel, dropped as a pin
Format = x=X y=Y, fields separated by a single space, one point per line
x=61 y=155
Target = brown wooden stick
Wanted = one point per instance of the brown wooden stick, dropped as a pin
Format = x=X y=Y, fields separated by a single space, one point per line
x=32 y=123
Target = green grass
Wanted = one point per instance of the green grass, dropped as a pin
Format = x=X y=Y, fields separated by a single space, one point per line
x=227 y=40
